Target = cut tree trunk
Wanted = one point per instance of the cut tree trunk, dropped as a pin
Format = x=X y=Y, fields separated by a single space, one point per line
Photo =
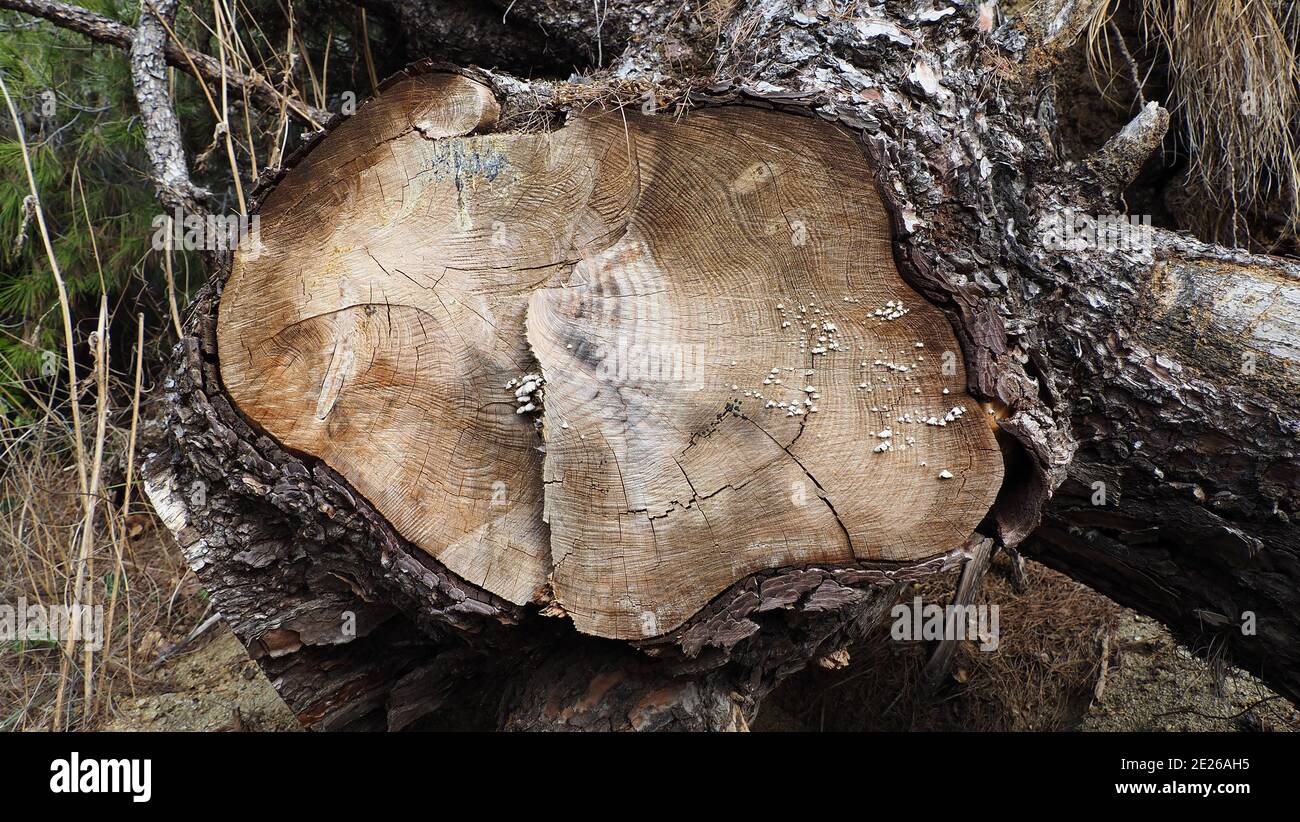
x=606 y=405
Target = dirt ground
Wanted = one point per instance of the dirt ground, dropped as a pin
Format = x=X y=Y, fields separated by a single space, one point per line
x=1158 y=685
x=1047 y=675
x=1068 y=659
x=1152 y=684
x=212 y=687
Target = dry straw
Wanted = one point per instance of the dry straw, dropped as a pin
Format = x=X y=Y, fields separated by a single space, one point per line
x=1235 y=85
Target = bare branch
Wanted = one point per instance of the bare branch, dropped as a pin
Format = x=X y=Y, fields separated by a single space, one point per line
x=162 y=129
x=1118 y=162
x=1060 y=24
x=107 y=30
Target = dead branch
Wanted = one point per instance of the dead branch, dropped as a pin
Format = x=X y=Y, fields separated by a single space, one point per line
x=162 y=128
x=107 y=30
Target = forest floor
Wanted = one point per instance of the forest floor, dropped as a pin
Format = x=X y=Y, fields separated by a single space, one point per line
x=1152 y=684
x=212 y=687
x=1068 y=659
x=1047 y=674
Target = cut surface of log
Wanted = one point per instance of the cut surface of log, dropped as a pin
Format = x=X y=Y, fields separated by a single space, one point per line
x=613 y=368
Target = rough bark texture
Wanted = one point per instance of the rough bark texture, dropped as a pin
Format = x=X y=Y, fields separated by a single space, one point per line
x=534 y=37
x=162 y=129
x=473 y=32
x=1166 y=371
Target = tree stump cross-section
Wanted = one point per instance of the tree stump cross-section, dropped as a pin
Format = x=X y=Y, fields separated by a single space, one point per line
x=612 y=368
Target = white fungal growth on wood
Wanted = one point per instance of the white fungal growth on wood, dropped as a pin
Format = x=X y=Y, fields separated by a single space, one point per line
x=892 y=310
x=529 y=392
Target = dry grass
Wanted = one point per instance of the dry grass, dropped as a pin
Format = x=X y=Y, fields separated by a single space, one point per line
x=1041 y=677
x=74 y=529
x=1236 y=90
x=149 y=598
x=52 y=529
x=65 y=547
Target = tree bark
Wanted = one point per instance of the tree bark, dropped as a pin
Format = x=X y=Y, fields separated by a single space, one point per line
x=1145 y=395
x=162 y=128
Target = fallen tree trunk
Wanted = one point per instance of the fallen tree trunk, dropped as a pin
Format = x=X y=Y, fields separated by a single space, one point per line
x=425 y=458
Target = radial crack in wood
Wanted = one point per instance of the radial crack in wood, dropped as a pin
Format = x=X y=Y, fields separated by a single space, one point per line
x=733 y=375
